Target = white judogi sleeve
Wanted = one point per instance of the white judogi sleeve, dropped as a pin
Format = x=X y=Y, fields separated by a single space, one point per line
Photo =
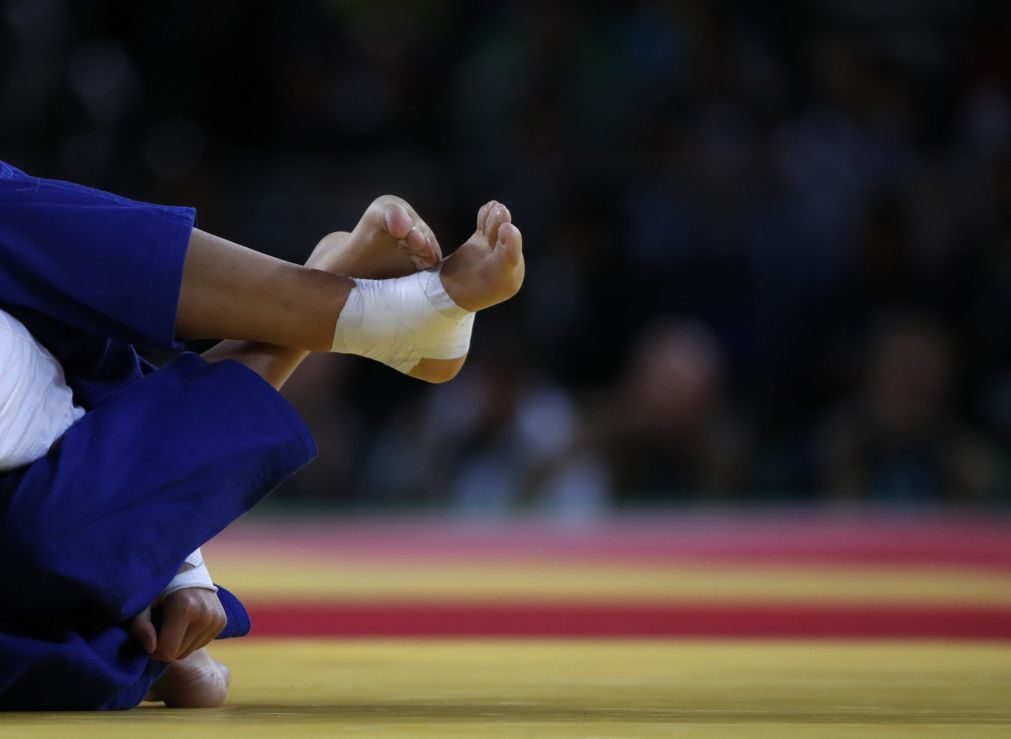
x=36 y=406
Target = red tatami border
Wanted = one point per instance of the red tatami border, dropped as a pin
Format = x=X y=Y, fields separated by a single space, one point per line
x=576 y=620
x=794 y=539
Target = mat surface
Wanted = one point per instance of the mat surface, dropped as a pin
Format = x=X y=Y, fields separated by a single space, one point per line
x=695 y=626
x=310 y=688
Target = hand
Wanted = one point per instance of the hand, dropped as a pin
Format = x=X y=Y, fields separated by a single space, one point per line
x=192 y=618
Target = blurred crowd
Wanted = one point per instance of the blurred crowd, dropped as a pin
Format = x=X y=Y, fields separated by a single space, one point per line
x=769 y=243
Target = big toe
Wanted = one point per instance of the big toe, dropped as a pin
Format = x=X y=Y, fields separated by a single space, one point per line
x=422 y=247
x=397 y=220
x=411 y=234
x=510 y=243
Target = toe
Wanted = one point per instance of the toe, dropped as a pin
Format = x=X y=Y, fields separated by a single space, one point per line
x=510 y=242
x=432 y=241
x=397 y=220
x=416 y=240
x=420 y=249
x=482 y=214
x=499 y=214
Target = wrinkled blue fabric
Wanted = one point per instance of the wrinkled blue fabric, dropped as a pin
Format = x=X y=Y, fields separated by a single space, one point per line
x=162 y=461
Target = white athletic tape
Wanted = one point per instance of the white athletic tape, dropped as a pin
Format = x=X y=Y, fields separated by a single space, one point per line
x=196 y=559
x=401 y=321
x=196 y=577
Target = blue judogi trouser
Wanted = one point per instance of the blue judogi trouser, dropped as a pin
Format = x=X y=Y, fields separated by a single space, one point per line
x=162 y=461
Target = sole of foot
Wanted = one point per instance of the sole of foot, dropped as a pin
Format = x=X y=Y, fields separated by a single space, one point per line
x=485 y=270
x=488 y=268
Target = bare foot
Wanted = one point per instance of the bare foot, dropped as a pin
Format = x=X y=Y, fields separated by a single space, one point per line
x=390 y=240
x=487 y=269
x=197 y=681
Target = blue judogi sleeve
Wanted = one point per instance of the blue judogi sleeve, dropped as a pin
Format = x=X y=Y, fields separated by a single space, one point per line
x=102 y=264
x=91 y=533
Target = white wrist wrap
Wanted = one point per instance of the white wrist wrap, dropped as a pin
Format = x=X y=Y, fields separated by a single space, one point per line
x=196 y=559
x=196 y=577
x=401 y=321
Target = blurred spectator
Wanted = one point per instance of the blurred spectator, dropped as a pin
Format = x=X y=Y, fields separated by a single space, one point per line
x=784 y=173
x=481 y=444
x=665 y=434
x=899 y=439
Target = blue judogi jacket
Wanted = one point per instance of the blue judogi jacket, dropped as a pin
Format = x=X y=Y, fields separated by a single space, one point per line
x=162 y=461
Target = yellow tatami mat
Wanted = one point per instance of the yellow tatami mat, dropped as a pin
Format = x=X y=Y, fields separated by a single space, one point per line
x=506 y=688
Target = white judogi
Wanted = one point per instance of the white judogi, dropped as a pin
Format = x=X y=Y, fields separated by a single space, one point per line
x=36 y=406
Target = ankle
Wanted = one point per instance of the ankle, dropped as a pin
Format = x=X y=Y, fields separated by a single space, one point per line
x=437 y=371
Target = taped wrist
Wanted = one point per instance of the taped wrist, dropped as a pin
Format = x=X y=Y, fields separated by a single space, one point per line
x=193 y=574
x=401 y=321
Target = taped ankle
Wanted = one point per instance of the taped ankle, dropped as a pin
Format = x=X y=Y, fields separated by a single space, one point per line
x=401 y=321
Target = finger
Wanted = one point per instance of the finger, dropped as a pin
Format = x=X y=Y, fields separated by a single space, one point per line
x=191 y=642
x=198 y=638
x=171 y=636
x=212 y=624
x=142 y=629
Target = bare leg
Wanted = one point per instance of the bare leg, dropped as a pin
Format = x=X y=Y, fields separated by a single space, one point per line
x=370 y=251
x=223 y=284
x=275 y=364
x=231 y=291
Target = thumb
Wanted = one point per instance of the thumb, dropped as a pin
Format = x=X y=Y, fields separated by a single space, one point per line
x=142 y=629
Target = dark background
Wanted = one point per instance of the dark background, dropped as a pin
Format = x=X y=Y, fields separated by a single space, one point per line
x=768 y=244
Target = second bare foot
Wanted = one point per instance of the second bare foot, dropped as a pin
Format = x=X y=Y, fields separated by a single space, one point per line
x=390 y=240
x=197 y=681
x=488 y=268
